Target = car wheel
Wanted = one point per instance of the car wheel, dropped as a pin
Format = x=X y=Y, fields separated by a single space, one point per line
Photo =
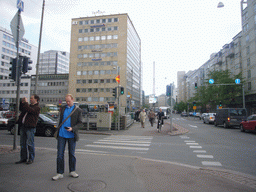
x=48 y=132
x=215 y=124
x=242 y=128
x=225 y=125
x=204 y=121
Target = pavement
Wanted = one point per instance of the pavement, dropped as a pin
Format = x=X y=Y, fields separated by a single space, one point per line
x=117 y=173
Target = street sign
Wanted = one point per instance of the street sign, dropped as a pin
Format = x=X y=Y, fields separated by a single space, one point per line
x=14 y=26
x=237 y=81
x=194 y=107
x=118 y=78
x=211 y=81
x=20 y=5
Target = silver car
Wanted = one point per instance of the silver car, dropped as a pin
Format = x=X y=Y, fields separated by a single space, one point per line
x=209 y=118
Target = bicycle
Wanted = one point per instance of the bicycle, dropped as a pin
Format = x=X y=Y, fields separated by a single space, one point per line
x=160 y=125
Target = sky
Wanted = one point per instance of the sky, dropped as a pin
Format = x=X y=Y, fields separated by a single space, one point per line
x=176 y=35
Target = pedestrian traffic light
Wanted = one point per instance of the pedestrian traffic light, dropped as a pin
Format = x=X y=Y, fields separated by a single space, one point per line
x=196 y=85
x=122 y=90
x=25 y=66
x=12 y=74
x=114 y=92
x=220 y=104
x=194 y=103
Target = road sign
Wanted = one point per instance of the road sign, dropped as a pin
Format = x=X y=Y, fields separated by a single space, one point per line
x=118 y=78
x=194 y=107
x=14 y=26
x=237 y=81
x=211 y=81
x=20 y=5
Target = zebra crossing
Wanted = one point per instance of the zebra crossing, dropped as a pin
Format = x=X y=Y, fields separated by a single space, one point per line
x=122 y=142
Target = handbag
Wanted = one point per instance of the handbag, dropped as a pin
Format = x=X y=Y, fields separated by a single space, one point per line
x=57 y=131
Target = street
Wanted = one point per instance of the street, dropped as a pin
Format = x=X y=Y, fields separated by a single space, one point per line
x=203 y=146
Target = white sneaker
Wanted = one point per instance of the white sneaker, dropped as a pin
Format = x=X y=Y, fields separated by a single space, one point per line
x=58 y=176
x=73 y=174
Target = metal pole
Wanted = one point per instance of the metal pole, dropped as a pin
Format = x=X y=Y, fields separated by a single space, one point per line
x=18 y=85
x=118 y=90
x=243 y=96
x=39 y=48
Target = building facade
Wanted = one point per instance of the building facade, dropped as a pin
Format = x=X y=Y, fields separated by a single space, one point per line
x=101 y=48
x=54 y=62
x=8 y=51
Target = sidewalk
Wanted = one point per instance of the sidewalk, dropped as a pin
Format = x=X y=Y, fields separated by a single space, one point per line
x=114 y=173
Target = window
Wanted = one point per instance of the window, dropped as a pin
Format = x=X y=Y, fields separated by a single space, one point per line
x=78 y=81
x=96 y=73
x=89 y=99
x=97 y=29
x=108 y=81
x=103 y=37
x=77 y=90
x=80 y=30
x=97 y=38
x=103 y=29
x=84 y=81
x=249 y=74
x=115 y=19
x=98 y=21
x=92 y=21
x=247 y=38
x=249 y=86
x=116 y=28
x=107 y=89
x=101 y=99
x=85 y=38
x=91 y=38
x=95 y=90
x=95 y=99
x=80 y=39
x=90 y=72
x=86 y=30
x=95 y=81
x=109 y=37
x=115 y=36
x=91 y=55
x=86 y=22
x=109 y=20
x=89 y=80
x=83 y=90
x=102 y=72
x=89 y=90
x=78 y=73
x=85 y=55
x=103 y=20
x=84 y=72
x=102 y=81
x=101 y=89
x=109 y=28
x=248 y=50
x=92 y=30
x=248 y=62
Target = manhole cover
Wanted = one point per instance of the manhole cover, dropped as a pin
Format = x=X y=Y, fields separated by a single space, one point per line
x=87 y=186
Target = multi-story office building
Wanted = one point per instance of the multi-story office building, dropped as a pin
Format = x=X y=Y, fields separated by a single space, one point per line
x=8 y=51
x=101 y=48
x=54 y=62
x=52 y=88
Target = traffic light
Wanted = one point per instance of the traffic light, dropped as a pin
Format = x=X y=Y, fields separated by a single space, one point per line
x=220 y=104
x=122 y=90
x=194 y=103
x=25 y=66
x=168 y=90
x=196 y=85
x=114 y=92
x=12 y=75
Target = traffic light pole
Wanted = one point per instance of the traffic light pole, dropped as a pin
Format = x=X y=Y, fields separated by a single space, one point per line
x=18 y=86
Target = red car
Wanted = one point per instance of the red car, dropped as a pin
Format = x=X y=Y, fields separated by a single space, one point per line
x=249 y=124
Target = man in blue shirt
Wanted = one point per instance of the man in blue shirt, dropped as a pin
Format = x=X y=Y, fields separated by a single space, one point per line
x=68 y=132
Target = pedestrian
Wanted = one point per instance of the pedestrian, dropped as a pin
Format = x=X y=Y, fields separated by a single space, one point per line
x=69 y=124
x=160 y=116
x=142 y=117
x=27 y=122
x=151 y=117
x=137 y=115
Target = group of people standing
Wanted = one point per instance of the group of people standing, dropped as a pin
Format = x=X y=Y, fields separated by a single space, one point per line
x=142 y=115
x=70 y=122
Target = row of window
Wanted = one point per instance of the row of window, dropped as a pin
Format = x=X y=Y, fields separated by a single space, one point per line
x=89 y=81
x=96 y=99
x=99 y=46
x=97 y=55
x=46 y=84
x=97 y=72
x=97 y=21
x=12 y=84
x=14 y=92
x=97 y=38
x=12 y=40
x=103 y=63
x=93 y=90
x=52 y=92
x=92 y=30
x=14 y=53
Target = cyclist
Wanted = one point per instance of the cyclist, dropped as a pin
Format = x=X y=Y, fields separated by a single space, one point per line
x=160 y=116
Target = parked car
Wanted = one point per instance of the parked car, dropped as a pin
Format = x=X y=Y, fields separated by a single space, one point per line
x=203 y=115
x=230 y=117
x=198 y=115
x=9 y=114
x=190 y=113
x=209 y=118
x=184 y=114
x=3 y=123
x=45 y=126
x=249 y=124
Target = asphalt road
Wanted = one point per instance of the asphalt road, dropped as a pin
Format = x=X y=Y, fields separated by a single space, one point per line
x=204 y=145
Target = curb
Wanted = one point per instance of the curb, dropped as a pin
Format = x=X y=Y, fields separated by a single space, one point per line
x=177 y=130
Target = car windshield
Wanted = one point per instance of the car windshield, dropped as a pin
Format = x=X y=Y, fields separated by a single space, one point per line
x=46 y=118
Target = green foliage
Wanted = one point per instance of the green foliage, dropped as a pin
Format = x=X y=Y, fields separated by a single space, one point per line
x=181 y=106
x=44 y=109
x=210 y=95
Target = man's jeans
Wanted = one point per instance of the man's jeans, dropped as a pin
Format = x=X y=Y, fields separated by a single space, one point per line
x=71 y=152
x=27 y=143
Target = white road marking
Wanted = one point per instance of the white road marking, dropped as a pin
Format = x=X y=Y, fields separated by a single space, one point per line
x=205 y=156
x=192 y=126
x=121 y=143
x=188 y=141
x=199 y=151
x=118 y=147
x=192 y=144
x=184 y=137
x=195 y=147
x=211 y=163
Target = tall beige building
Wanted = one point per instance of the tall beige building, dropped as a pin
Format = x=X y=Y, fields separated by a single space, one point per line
x=100 y=46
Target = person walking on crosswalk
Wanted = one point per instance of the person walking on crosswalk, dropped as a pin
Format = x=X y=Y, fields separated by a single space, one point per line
x=142 y=117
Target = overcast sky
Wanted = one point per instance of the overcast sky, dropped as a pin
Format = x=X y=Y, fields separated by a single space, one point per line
x=177 y=35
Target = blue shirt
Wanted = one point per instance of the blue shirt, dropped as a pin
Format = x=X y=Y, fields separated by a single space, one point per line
x=63 y=132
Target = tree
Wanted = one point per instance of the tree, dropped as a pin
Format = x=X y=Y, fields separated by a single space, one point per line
x=181 y=106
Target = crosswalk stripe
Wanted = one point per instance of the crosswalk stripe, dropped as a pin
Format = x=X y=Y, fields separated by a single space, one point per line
x=121 y=143
x=211 y=163
x=119 y=147
x=124 y=141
